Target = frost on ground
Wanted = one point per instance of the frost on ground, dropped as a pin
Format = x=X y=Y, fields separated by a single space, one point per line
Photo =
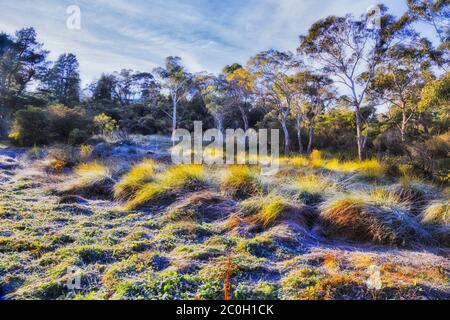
x=315 y=231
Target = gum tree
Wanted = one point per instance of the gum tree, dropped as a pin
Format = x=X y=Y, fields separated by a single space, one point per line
x=272 y=70
x=349 y=49
x=241 y=86
x=398 y=82
x=177 y=81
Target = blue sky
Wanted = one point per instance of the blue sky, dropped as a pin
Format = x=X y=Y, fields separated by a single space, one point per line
x=139 y=34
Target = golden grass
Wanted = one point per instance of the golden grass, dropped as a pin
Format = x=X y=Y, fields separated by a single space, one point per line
x=368 y=168
x=437 y=213
x=88 y=176
x=133 y=181
x=176 y=178
x=241 y=182
x=360 y=218
x=267 y=211
x=272 y=211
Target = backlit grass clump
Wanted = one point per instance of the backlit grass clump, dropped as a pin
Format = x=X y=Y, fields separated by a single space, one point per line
x=270 y=210
x=359 y=218
x=176 y=178
x=133 y=181
x=241 y=182
x=90 y=179
x=437 y=213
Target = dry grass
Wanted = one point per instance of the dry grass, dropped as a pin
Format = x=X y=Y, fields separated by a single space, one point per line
x=358 y=218
x=90 y=179
x=133 y=181
x=177 y=178
x=273 y=209
x=437 y=213
x=241 y=182
x=371 y=169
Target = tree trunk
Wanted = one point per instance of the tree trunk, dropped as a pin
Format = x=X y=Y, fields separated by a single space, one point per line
x=299 y=132
x=286 y=136
x=244 y=118
x=311 y=135
x=403 y=127
x=359 y=136
x=174 y=116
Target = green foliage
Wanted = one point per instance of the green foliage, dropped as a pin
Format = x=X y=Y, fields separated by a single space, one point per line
x=29 y=127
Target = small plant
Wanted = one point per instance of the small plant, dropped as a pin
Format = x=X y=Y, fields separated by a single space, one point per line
x=105 y=124
x=316 y=159
x=227 y=281
x=86 y=151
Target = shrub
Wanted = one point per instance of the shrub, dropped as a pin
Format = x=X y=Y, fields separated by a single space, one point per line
x=29 y=127
x=133 y=181
x=91 y=179
x=57 y=123
x=68 y=124
x=105 y=124
x=241 y=182
x=358 y=218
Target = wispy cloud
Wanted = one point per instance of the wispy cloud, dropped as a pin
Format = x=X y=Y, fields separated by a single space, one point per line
x=139 y=34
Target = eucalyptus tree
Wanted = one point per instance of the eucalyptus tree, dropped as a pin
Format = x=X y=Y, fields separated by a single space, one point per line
x=177 y=81
x=349 y=49
x=241 y=86
x=318 y=93
x=398 y=82
x=435 y=13
x=273 y=72
x=215 y=91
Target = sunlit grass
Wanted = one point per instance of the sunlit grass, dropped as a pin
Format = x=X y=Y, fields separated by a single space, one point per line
x=87 y=176
x=437 y=213
x=368 y=168
x=133 y=181
x=241 y=182
x=178 y=177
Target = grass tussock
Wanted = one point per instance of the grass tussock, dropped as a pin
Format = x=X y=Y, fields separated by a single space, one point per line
x=271 y=210
x=90 y=179
x=241 y=182
x=437 y=213
x=359 y=218
x=133 y=181
x=181 y=177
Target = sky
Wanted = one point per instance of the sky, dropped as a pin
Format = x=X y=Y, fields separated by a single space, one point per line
x=139 y=34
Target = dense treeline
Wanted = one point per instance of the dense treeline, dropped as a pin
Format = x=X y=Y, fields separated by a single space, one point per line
x=325 y=95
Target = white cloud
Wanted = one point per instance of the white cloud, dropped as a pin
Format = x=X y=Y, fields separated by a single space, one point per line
x=139 y=34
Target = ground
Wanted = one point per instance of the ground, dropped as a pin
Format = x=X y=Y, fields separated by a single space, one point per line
x=191 y=245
